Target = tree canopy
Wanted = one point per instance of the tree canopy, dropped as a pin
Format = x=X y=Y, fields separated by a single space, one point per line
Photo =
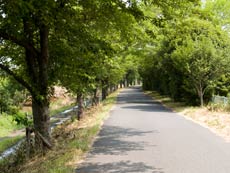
x=188 y=56
x=180 y=48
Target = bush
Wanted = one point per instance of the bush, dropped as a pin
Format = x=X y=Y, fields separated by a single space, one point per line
x=22 y=119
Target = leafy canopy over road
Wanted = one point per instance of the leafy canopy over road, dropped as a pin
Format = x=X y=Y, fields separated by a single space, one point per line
x=179 y=48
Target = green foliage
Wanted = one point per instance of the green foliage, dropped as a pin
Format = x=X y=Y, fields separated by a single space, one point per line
x=12 y=95
x=187 y=59
x=222 y=86
x=178 y=47
x=64 y=42
x=23 y=119
x=220 y=12
x=92 y=57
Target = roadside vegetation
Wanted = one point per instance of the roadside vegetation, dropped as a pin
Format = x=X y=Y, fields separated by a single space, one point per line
x=72 y=140
x=11 y=132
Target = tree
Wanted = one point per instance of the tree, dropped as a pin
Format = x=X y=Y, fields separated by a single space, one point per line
x=204 y=66
x=202 y=55
x=91 y=48
x=25 y=26
x=219 y=10
x=190 y=58
x=12 y=95
x=33 y=28
x=32 y=32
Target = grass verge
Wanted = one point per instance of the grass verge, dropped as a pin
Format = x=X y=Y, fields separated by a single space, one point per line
x=168 y=102
x=8 y=142
x=7 y=125
x=72 y=140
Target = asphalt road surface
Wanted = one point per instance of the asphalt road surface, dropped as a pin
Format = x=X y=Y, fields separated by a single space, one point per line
x=142 y=136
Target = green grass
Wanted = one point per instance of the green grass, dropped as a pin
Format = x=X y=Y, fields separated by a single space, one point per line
x=7 y=125
x=9 y=142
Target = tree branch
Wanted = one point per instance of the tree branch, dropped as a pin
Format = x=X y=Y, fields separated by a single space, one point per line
x=17 y=78
x=20 y=42
x=44 y=140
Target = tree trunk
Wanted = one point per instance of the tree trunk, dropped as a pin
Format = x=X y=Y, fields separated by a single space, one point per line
x=125 y=83
x=40 y=101
x=29 y=131
x=201 y=100
x=41 y=122
x=110 y=89
x=200 y=92
x=201 y=95
x=104 y=89
x=95 y=101
x=38 y=71
x=104 y=92
x=121 y=83
x=80 y=106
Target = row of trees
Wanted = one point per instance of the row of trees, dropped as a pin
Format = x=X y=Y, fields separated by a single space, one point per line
x=189 y=57
x=73 y=43
x=179 y=48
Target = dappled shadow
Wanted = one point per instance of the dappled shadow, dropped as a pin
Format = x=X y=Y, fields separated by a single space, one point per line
x=113 y=141
x=132 y=97
x=118 y=167
x=139 y=101
x=129 y=96
x=156 y=107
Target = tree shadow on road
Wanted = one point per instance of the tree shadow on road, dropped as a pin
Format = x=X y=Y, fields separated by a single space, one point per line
x=148 y=108
x=118 y=141
x=114 y=143
x=118 y=167
x=134 y=98
x=115 y=140
x=130 y=96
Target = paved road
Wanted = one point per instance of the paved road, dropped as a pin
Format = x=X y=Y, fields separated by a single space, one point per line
x=141 y=136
